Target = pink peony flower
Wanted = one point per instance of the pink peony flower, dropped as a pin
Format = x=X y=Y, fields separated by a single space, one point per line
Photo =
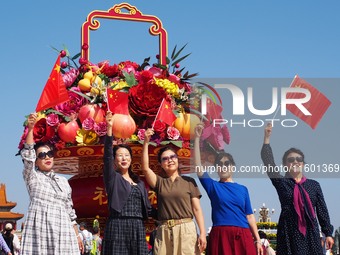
x=70 y=76
x=88 y=124
x=52 y=119
x=141 y=134
x=157 y=72
x=174 y=78
x=173 y=133
x=73 y=105
x=100 y=128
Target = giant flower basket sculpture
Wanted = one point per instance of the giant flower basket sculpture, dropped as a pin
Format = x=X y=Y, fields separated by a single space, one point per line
x=77 y=126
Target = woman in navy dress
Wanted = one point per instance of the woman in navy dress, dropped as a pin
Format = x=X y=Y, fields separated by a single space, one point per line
x=127 y=200
x=303 y=206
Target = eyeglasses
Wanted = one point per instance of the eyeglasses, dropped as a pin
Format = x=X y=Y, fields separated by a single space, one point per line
x=225 y=163
x=172 y=157
x=42 y=155
x=292 y=159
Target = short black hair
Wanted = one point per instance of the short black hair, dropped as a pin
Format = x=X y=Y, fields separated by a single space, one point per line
x=222 y=155
x=292 y=150
x=43 y=144
x=160 y=152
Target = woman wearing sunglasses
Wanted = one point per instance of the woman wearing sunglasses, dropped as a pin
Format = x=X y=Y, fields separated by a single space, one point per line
x=50 y=224
x=128 y=201
x=234 y=229
x=301 y=201
x=178 y=201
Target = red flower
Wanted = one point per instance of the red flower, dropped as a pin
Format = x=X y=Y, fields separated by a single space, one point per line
x=144 y=76
x=109 y=71
x=42 y=132
x=159 y=126
x=145 y=99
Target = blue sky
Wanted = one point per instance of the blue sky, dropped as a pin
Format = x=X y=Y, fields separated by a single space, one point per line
x=227 y=39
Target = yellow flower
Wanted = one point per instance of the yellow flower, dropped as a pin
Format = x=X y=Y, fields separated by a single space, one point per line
x=134 y=138
x=117 y=85
x=40 y=115
x=86 y=137
x=170 y=87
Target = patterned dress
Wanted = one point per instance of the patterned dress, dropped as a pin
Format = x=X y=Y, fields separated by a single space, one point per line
x=49 y=224
x=125 y=231
x=128 y=205
x=289 y=240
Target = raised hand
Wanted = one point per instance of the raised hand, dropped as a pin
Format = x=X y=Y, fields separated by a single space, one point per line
x=148 y=133
x=267 y=133
x=199 y=130
x=109 y=123
x=32 y=119
x=109 y=119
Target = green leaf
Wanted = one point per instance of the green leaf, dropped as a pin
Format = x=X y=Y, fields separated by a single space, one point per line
x=173 y=52
x=81 y=94
x=76 y=56
x=151 y=143
x=55 y=49
x=53 y=111
x=179 y=60
x=210 y=94
x=130 y=78
x=181 y=70
x=179 y=52
x=177 y=143
x=189 y=76
x=164 y=142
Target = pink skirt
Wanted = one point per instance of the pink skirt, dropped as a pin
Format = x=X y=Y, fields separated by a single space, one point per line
x=231 y=240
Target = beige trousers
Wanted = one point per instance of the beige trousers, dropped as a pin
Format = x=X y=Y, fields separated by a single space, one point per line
x=178 y=240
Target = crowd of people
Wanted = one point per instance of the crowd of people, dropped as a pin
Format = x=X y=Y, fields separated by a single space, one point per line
x=51 y=226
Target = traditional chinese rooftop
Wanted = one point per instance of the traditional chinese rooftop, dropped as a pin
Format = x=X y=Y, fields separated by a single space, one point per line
x=6 y=206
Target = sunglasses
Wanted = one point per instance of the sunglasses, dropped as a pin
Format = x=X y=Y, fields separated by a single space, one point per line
x=42 y=155
x=172 y=157
x=292 y=159
x=225 y=163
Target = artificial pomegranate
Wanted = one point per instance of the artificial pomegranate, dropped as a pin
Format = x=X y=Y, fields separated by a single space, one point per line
x=91 y=111
x=68 y=131
x=123 y=126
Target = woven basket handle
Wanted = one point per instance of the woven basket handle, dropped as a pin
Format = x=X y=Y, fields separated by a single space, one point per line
x=133 y=14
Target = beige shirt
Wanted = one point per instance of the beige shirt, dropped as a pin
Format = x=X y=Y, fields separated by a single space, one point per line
x=174 y=197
